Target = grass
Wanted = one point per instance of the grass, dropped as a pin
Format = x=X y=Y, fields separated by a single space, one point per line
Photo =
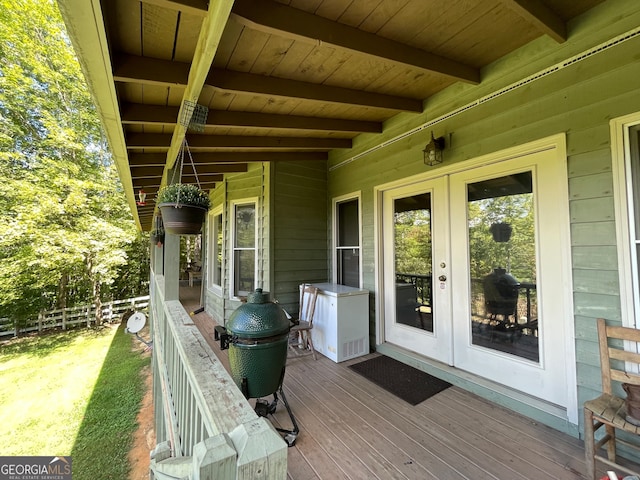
x=72 y=393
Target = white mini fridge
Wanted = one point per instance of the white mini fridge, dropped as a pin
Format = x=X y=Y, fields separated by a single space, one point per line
x=341 y=322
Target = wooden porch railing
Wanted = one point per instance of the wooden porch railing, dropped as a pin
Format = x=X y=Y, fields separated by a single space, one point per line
x=205 y=428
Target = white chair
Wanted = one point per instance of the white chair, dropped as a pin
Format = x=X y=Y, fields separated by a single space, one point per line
x=300 y=341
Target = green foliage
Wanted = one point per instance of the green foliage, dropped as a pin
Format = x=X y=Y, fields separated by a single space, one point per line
x=413 y=242
x=184 y=194
x=65 y=228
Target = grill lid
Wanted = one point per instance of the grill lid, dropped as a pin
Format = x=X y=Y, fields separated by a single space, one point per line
x=258 y=318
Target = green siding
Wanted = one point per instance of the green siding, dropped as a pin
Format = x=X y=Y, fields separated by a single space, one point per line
x=578 y=100
x=300 y=233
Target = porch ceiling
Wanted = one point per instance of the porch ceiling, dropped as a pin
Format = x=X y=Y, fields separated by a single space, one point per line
x=283 y=79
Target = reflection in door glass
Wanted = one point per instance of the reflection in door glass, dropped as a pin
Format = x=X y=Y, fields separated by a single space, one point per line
x=412 y=250
x=504 y=312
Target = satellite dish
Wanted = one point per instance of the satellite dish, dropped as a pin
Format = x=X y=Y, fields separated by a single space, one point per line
x=136 y=322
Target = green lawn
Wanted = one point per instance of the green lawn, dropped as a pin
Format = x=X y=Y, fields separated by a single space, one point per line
x=72 y=393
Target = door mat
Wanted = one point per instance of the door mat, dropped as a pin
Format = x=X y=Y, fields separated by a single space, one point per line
x=408 y=383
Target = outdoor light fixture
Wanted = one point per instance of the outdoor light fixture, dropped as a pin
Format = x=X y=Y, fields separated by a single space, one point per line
x=142 y=197
x=433 y=151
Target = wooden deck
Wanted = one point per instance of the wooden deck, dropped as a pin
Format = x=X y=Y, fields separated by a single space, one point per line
x=352 y=429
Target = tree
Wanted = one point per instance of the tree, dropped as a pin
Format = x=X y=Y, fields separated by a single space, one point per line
x=64 y=223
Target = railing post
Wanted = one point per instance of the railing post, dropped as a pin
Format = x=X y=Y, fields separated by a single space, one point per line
x=214 y=457
x=261 y=451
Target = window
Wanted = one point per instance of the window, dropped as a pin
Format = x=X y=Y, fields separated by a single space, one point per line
x=243 y=274
x=347 y=241
x=216 y=250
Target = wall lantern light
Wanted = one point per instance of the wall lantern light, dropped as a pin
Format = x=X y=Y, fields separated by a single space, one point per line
x=142 y=198
x=433 y=151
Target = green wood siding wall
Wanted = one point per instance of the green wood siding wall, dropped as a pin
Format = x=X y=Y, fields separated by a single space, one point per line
x=578 y=100
x=299 y=226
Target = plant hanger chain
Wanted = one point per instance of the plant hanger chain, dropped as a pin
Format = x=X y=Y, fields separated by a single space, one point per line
x=184 y=146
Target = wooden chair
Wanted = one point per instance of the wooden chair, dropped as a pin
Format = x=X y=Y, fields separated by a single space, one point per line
x=301 y=331
x=610 y=409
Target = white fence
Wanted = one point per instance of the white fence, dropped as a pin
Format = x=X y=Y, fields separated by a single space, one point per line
x=205 y=428
x=74 y=316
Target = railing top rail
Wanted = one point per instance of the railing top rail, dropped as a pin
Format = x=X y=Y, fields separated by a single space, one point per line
x=222 y=405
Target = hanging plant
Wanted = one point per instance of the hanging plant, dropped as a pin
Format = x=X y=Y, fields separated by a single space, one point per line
x=183 y=208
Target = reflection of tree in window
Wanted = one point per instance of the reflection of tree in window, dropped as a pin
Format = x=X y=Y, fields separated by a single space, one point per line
x=245 y=248
x=517 y=255
x=413 y=241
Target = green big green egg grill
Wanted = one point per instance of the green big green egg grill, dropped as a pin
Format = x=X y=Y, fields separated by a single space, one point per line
x=257 y=336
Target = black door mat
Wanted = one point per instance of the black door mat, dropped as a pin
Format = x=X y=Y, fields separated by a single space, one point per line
x=408 y=383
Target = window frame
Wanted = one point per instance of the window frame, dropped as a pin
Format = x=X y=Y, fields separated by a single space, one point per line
x=336 y=202
x=625 y=215
x=212 y=250
x=233 y=206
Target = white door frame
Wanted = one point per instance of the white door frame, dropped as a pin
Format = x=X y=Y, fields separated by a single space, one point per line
x=557 y=142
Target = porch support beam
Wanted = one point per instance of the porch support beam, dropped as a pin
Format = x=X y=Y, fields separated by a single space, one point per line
x=208 y=42
x=150 y=71
x=282 y=20
x=542 y=17
x=139 y=114
x=193 y=7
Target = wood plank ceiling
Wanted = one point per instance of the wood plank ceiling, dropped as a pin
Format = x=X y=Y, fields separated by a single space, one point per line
x=293 y=79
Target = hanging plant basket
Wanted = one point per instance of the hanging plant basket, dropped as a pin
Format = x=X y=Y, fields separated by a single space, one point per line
x=183 y=208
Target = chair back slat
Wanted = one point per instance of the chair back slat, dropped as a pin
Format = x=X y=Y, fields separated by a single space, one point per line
x=308 y=297
x=612 y=351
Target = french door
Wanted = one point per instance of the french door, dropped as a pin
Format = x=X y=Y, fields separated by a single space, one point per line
x=474 y=274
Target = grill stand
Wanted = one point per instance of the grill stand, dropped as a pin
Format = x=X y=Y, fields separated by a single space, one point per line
x=263 y=408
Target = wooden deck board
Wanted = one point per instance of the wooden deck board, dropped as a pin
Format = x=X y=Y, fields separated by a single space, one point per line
x=352 y=429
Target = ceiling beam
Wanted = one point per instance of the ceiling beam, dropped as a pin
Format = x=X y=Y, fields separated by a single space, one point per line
x=139 y=159
x=146 y=171
x=156 y=181
x=282 y=20
x=144 y=70
x=140 y=114
x=240 y=82
x=163 y=141
x=542 y=17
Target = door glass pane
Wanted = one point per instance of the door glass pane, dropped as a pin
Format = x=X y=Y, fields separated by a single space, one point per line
x=412 y=253
x=502 y=239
